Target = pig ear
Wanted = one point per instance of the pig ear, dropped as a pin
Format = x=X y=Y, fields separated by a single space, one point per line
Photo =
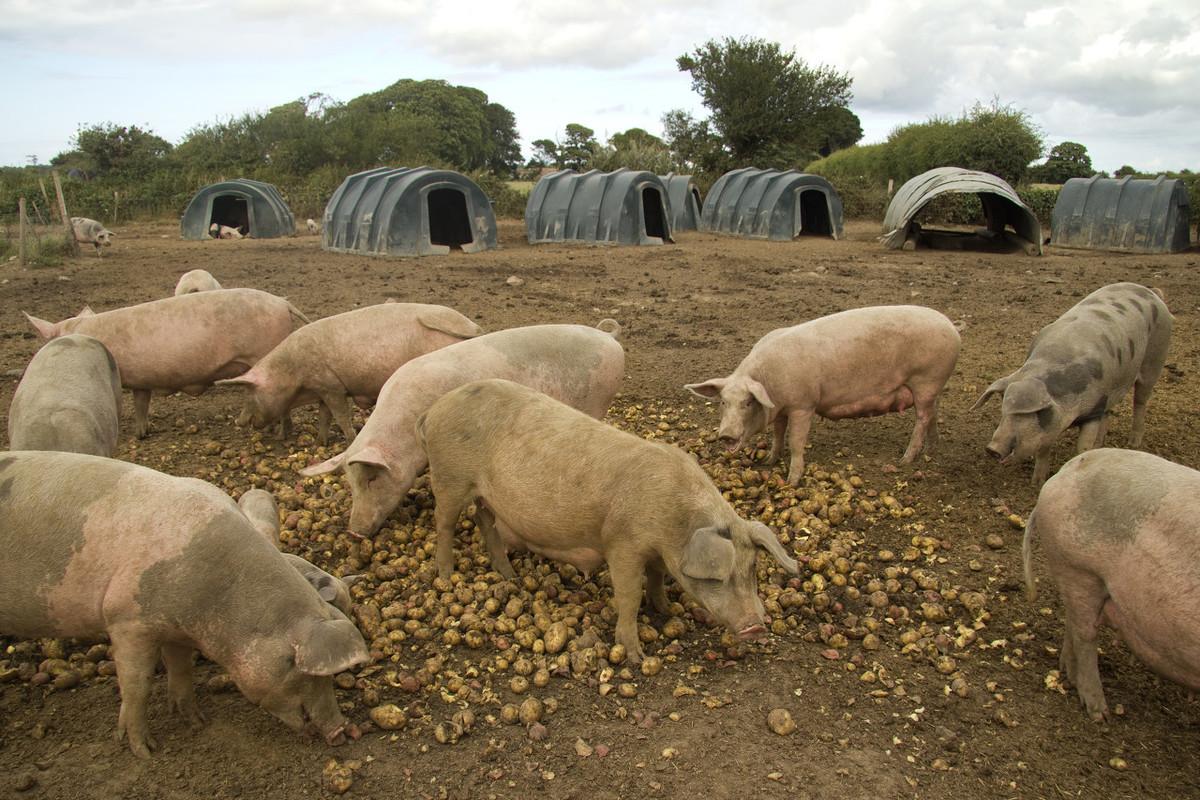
x=350 y=580
x=996 y=388
x=764 y=537
x=760 y=394
x=47 y=330
x=1027 y=396
x=369 y=456
x=245 y=379
x=708 y=555
x=326 y=589
x=709 y=390
x=86 y=311
x=330 y=646
x=329 y=465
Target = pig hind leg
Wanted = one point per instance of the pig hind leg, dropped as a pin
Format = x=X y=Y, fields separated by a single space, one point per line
x=486 y=521
x=925 y=430
x=338 y=405
x=135 y=657
x=181 y=693
x=141 y=412
x=1141 y=397
x=1083 y=596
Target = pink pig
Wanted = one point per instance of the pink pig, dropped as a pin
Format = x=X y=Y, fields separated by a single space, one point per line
x=183 y=343
x=1118 y=528
x=344 y=356
x=857 y=363
x=166 y=565
x=574 y=364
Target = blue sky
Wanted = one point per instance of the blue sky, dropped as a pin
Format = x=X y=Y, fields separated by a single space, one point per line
x=1120 y=76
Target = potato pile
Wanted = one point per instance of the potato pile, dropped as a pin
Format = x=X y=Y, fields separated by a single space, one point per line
x=445 y=651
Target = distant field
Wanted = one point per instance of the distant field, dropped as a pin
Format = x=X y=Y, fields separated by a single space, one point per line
x=524 y=187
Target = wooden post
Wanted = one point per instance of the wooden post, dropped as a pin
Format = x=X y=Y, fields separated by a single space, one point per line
x=45 y=196
x=72 y=245
x=891 y=185
x=21 y=229
x=38 y=212
x=116 y=203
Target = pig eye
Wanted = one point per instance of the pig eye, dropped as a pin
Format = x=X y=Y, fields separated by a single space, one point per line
x=749 y=402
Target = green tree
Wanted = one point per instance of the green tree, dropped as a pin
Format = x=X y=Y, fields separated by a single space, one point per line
x=545 y=154
x=1125 y=171
x=767 y=105
x=578 y=147
x=117 y=150
x=1066 y=160
x=694 y=146
x=635 y=148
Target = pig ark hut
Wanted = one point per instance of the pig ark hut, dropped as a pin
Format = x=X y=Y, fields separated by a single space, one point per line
x=408 y=212
x=621 y=207
x=253 y=207
x=684 y=200
x=1001 y=206
x=769 y=204
x=1132 y=216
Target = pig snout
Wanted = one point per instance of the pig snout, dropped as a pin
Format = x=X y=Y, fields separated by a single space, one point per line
x=756 y=630
x=731 y=442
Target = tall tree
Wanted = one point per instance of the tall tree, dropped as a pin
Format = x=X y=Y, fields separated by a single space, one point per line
x=767 y=104
x=1066 y=160
x=546 y=154
x=118 y=150
x=578 y=147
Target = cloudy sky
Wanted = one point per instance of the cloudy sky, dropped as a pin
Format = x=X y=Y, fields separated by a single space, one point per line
x=1120 y=76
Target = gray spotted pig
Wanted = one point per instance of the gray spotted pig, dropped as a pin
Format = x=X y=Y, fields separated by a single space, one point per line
x=68 y=399
x=165 y=565
x=1079 y=367
x=556 y=481
x=1118 y=530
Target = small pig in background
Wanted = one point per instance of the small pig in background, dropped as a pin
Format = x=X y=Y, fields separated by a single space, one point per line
x=1079 y=367
x=1118 y=530
x=218 y=231
x=344 y=356
x=69 y=399
x=260 y=508
x=554 y=480
x=313 y=227
x=857 y=363
x=166 y=565
x=197 y=280
x=89 y=231
x=579 y=365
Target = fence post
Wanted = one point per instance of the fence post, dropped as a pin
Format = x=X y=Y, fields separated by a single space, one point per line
x=21 y=229
x=72 y=245
x=46 y=197
x=891 y=185
x=116 y=202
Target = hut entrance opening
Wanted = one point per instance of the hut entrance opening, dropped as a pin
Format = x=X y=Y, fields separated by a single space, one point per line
x=231 y=211
x=814 y=214
x=653 y=213
x=449 y=223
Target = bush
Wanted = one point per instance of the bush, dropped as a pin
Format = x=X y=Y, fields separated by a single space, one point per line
x=1040 y=201
x=506 y=201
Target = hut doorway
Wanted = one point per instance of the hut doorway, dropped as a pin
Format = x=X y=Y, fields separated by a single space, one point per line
x=814 y=214
x=653 y=213
x=449 y=222
x=231 y=211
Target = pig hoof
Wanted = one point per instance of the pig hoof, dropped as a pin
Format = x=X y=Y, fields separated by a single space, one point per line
x=352 y=732
x=142 y=748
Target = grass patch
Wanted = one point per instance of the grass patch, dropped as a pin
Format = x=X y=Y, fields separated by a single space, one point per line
x=45 y=248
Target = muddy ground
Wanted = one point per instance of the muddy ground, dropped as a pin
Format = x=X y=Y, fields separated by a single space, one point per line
x=948 y=690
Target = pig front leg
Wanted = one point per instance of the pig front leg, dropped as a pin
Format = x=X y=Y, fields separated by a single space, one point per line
x=780 y=430
x=798 y=426
x=1041 y=465
x=494 y=542
x=655 y=590
x=141 y=412
x=135 y=657
x=1141 y=397
x=181 y=693
x=1091 y=433
x=626 y=572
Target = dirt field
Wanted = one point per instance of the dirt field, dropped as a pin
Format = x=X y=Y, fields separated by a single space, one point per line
x=948 y=690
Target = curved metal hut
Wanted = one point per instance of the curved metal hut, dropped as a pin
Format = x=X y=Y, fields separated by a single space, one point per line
x=769 y=204
x=1123 y=214
x=621 y=207
x=253 y=207
x=1001 y=206
x=408 y=212
x=684 y=199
